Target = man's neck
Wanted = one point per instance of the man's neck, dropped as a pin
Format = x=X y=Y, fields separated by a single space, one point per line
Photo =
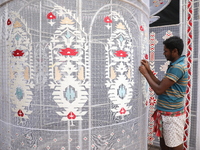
x=175 y=59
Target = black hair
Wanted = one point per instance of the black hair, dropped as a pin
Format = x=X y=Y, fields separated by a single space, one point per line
x=174 y=42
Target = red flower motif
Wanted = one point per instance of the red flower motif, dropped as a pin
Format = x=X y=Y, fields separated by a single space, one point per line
x=122 y=111
x=146 y=56
x=20 y=113
x=9 y=22
x=121 y=53
x=18 y=53
x=141 y=28
x=51 y=16
x=107 y=20
x=152 y=101
x=146 y=103
x=68 y=51
x=71 y=115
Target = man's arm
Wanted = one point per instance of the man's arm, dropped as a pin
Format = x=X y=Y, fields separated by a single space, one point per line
x=146 y=64
x=153 y=77
x=159 y=88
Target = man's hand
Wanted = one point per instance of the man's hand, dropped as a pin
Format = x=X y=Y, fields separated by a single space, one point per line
x=146 y=64
x=143 y=70
x=158 y=86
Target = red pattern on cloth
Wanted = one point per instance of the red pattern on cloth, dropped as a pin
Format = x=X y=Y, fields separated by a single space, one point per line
x=158 y=119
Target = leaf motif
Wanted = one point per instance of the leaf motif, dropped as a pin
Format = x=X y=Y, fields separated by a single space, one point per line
x=26 y=73
x=129 y=73
x=112 y=73
x=57 y=74
x=81 y=74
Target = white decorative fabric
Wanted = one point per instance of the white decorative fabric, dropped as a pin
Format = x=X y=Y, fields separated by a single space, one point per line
x=69 y=75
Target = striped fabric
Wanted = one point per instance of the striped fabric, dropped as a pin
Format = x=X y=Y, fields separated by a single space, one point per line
x=173 y=98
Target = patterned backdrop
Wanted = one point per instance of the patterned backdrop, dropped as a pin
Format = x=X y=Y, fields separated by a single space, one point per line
x=69 y=75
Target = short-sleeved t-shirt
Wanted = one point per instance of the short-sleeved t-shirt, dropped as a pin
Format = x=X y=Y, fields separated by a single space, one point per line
x=172 y=99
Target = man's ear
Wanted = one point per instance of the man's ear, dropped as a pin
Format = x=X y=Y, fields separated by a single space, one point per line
x=175 y=50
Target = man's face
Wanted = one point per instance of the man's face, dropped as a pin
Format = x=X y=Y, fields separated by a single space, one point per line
x=168 y=54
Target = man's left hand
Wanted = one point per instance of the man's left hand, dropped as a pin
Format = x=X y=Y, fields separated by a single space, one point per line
x=143 y=70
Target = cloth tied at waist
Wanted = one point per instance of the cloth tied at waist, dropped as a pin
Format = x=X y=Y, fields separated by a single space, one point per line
x=158 y=119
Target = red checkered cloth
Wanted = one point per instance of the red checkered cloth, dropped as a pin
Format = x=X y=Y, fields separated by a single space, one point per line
x=158 y=119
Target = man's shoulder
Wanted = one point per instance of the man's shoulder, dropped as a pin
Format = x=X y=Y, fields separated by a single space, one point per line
x=180 y=66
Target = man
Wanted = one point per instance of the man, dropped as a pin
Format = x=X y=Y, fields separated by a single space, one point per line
x=169 y=116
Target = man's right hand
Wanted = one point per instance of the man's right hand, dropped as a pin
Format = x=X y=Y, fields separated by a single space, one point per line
x=146 y=64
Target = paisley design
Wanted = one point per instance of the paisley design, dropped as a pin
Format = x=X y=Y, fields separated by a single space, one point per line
x=21 y=82
x=66 y=49
x=119 y=77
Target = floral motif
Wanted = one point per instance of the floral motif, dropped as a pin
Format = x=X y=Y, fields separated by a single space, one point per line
x=146 y=56
x=51 y=16
x=18 y=53
x=9 y=22
x=66 y=20
x=152 y=101
x=20 y=113
x=107 y=20
x=122 y=111
x=121 y=53
x=17 y=24
x=141 y=28
x=55 y=140
x=68 y=51
x=71 y=115
x=120 y=26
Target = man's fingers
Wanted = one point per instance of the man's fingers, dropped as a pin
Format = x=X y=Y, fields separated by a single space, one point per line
x=143 y=62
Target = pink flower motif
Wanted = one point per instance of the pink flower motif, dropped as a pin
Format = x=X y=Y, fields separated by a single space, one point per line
x=48 y=148
x=68 y=51
x=55 y=140
x=71 y=115
x=121 y=53
x=107 y=20
x=85 y=138
x=51 y=16
x=93 y=146
x=63 y=148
